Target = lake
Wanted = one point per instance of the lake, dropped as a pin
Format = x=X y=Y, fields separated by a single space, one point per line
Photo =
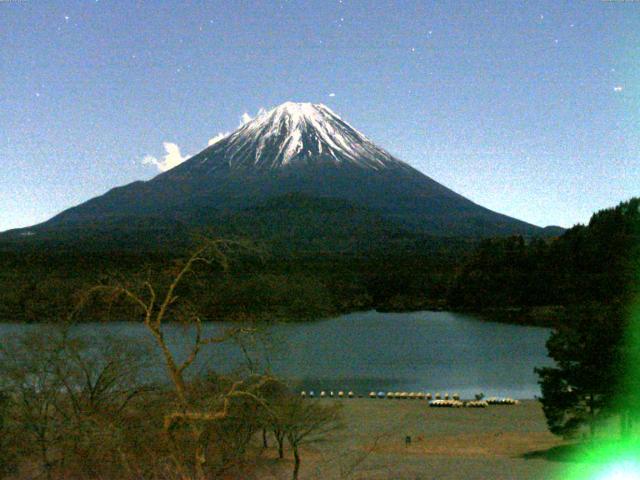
x=418 y=351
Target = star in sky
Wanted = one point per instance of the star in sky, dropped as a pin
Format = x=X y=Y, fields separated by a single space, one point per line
x=469 y=41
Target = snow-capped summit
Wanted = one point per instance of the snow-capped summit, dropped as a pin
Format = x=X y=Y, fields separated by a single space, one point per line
x=298 y=134
x=293 y=150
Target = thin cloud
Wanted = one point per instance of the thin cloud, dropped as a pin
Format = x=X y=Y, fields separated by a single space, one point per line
x=217 y=138
x=173 y=158
x=247 y=117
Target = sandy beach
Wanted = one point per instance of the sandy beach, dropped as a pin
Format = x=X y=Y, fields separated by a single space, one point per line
x=498 y=442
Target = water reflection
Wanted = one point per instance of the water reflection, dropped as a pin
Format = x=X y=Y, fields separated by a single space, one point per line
x=426 y=351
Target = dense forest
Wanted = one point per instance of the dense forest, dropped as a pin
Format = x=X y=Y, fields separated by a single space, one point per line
x=45 y=286
x=587 y=263
x=597 y=262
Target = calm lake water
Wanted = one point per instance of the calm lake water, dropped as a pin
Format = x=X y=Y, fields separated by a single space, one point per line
x=420 y=351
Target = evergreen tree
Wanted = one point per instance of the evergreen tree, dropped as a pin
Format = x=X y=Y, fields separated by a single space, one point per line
x=595 y=262
x=582 y=387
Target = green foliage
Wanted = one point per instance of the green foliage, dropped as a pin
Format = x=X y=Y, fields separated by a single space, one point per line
x=589 y=263
x=45 y=287
x=268 y=296
x=583 y=386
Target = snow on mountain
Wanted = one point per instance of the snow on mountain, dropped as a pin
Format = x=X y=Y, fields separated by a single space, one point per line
x=298 y=134
x=293 y=150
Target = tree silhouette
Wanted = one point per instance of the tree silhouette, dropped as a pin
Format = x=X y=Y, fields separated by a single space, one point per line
x=582 y=388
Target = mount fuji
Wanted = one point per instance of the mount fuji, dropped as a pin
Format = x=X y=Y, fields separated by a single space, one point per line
x=297 y=160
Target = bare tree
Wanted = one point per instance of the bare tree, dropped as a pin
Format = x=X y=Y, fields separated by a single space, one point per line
x=304 y=422
x=28 y=374
x=66 y=394
x=100 y=378
x=102 y=374
x=6 y=449
x=159 y=306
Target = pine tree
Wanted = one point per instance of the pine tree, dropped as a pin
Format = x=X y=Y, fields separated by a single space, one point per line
x=581 y=389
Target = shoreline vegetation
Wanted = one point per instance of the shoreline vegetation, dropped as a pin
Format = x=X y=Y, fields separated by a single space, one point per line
x=63 y=395
x=510 y=280
x=545 y=317
x=73 y=406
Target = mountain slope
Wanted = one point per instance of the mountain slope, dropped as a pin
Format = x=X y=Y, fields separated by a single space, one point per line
x=295 y=222
x=296 y=148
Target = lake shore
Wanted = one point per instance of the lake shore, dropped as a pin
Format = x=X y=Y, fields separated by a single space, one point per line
x=498 y=442
x=370 y=351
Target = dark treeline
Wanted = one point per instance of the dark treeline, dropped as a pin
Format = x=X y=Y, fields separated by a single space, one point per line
x=589 y=276
x=588 y=263
x=319 y=257
x=595 y=376
x=46 y=285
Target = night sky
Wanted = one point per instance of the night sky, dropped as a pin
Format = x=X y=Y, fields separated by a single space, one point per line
x=530 y=108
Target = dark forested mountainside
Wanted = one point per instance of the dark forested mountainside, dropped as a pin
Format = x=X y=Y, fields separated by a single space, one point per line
x=358 y=261
x=598 y=262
